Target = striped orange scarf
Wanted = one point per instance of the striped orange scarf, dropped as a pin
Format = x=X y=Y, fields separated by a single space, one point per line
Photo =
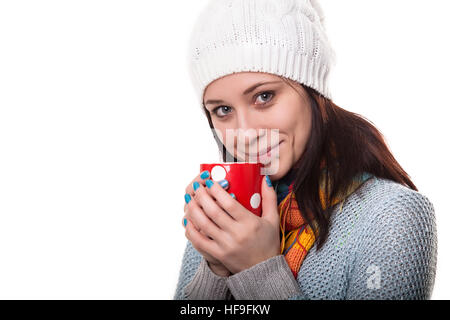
x=297 y=236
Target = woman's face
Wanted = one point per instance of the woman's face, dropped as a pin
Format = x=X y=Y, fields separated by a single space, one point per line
x=254 y=100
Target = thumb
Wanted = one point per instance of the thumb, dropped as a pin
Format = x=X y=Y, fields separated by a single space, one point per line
x=269 y=202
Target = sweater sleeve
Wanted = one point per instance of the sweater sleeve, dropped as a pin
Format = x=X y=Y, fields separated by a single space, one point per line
x=196 y=281
x=269 y=280
x=396 y=253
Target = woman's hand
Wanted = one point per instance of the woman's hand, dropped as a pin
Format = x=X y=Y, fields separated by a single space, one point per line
x=232 y=235
x=215 y=265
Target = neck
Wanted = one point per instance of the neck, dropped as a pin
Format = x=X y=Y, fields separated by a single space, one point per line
x=288 y=178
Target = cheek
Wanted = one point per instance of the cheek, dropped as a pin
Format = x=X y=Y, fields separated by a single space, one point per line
x=301 y=133
x=288 y=120
x=226 y=136
x=295 y=122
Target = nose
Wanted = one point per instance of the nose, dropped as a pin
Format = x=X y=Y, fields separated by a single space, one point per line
x=247 y=121
x=250 y=132
x=248 y=125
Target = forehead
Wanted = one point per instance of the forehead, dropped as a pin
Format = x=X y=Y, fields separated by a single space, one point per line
x=237 y=83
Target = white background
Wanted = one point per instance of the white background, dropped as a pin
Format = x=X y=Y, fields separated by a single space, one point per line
x=100 y=133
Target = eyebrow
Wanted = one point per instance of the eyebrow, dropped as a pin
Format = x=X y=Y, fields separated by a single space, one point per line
x=249 y=90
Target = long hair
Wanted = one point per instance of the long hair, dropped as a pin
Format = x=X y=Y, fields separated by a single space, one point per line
x=348 y=144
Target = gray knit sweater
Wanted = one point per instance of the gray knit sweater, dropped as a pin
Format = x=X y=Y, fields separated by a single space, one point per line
x=382 y=245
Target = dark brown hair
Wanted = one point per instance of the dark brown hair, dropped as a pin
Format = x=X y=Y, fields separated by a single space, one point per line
x=348 y=143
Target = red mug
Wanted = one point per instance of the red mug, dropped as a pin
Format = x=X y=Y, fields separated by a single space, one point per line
x=244 y=179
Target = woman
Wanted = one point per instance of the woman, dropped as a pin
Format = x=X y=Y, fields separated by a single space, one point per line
x=341 y=218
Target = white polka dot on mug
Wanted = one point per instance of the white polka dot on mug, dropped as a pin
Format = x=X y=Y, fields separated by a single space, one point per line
x=244 y=181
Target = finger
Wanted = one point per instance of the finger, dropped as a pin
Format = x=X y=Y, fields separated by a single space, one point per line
x=213 y=210
x=196 y=185
x=200 y=242
x=196 y=214
x=229 y=204
x=269 y=202
x=189 y=190
x=200 y=178
x=184 y=222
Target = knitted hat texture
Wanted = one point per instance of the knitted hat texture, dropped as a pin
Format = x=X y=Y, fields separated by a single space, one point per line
x=281 y=37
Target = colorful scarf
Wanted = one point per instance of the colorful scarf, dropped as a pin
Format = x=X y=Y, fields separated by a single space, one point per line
x=297 y=237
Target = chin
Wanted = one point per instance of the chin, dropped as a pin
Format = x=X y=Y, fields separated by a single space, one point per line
x=277 y=174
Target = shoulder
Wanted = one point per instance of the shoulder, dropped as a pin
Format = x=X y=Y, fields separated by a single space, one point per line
x=395 y=238
x=387 y=202
x=394 y=221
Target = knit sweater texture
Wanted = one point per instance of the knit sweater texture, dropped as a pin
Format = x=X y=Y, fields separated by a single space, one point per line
x=382 y=244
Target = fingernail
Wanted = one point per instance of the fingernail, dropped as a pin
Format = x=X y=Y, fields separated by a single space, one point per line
x=232 y=195
x=196 y=185
x=205 y=174
x=187 y=197
x=224 y=183
x=185 y=222
x=209 y=183
x=269 y=183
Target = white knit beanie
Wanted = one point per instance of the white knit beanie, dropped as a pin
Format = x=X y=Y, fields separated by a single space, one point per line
x=281 y=37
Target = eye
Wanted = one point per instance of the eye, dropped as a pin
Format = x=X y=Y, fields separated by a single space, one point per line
x=266 y=95
x=216 y=113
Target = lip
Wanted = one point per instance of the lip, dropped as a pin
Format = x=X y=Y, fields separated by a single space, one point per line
x=265 y=151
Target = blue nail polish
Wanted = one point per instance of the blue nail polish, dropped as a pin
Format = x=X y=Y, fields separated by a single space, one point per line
x=205 y=174
x=232 y=195
x=223 y=183
x=185 y=222
x=209 y=183
x=187 y=197
x=269 y=183
x=196 y=185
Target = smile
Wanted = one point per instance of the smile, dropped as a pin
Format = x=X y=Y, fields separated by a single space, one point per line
x=265 y=152
x=266 y=156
